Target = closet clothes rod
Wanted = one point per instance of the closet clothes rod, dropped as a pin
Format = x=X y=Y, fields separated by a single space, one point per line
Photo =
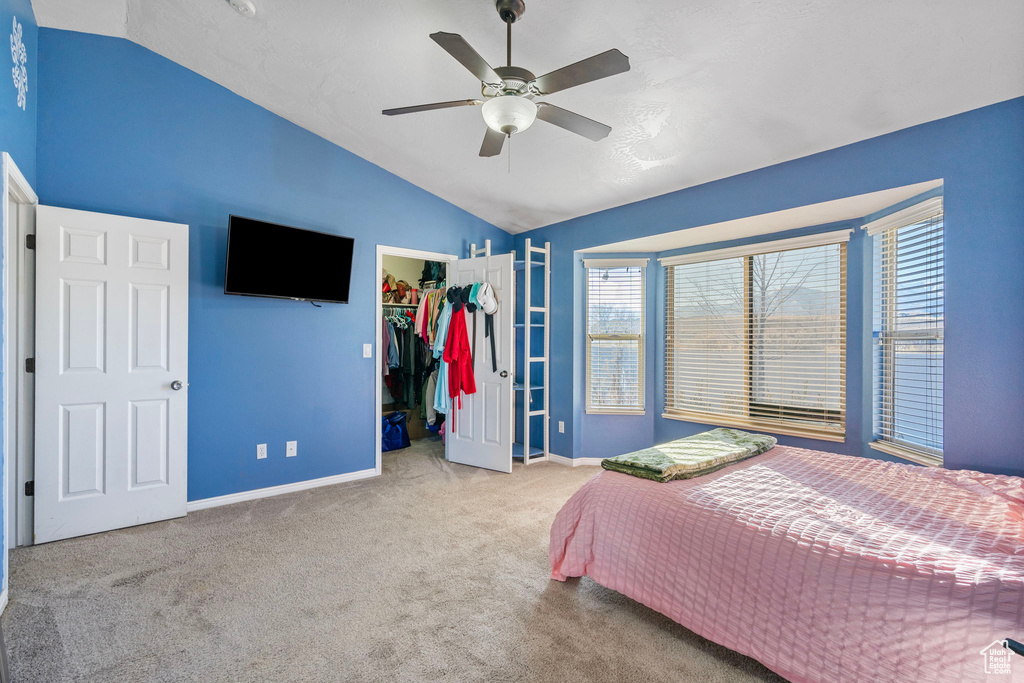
x=401 y=305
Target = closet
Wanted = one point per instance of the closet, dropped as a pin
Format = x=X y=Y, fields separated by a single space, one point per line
x=494 y=333
x=408 y=367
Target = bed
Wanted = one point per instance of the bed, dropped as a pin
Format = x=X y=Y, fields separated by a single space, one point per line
x=823 y=567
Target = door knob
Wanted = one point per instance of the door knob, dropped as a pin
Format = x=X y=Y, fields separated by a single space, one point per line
x=176 y=385
x=504 y=373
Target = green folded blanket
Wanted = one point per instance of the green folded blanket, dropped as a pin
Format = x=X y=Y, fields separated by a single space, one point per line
x=691 y=456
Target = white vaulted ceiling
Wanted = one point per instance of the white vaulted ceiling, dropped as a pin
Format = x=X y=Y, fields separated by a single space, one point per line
x=717 y=87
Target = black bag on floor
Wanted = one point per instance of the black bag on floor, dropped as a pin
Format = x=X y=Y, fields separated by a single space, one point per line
x=394 y=433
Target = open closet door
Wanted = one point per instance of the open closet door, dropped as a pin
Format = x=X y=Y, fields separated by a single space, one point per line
x=481 y=433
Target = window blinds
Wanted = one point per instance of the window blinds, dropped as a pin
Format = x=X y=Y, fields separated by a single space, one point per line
x=759 y=340
x=908 y=331
x=615 y=335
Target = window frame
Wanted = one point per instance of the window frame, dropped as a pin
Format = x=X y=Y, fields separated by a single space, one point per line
x=886 y=229
x=604 y=264
x=790 y=427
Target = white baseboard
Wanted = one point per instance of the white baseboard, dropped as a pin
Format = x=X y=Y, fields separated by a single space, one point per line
x=217 y=501
x=3 y=601
x=575 y=462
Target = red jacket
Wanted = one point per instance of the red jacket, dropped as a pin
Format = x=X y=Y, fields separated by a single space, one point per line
x=459 y=358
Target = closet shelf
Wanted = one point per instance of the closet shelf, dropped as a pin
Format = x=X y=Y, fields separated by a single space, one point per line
x=517 y=451
x=534 y=317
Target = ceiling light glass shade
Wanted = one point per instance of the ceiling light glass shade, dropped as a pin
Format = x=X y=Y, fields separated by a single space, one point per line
x=509 y=114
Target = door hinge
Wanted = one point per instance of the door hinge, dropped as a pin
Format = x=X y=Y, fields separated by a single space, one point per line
x=30 y=241
x=30 y=488
x=30 y=365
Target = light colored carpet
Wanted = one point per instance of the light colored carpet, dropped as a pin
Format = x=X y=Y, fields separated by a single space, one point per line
x=431 y=572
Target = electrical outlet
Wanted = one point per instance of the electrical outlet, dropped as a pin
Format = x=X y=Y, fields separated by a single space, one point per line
x=561 y=427
x=367 y=350
x=261 y=451
x=291 y=449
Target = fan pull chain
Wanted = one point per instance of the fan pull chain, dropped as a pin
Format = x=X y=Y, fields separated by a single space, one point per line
x=510 y=154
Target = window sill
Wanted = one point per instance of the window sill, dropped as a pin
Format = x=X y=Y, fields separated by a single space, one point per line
x=615 y=411
x=760 y=426
x=926 y=459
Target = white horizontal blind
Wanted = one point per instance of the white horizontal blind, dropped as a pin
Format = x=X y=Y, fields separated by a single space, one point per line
x=908 y=331
x=759 y=341
x=615 y=339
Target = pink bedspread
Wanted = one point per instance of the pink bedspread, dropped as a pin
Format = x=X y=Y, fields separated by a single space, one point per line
x=823 y=567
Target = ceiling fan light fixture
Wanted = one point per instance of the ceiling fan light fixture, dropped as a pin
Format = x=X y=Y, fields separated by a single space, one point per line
x=509 y=114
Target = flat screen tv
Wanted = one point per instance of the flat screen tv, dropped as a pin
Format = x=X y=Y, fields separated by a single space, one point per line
x=281 y=262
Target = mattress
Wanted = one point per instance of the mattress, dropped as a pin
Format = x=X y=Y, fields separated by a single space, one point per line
x=823 y=567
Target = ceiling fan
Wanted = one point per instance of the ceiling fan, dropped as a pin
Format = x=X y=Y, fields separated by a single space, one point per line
x=508 y=91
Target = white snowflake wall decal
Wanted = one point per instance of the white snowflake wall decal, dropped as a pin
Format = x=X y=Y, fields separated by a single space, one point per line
x=20 y=56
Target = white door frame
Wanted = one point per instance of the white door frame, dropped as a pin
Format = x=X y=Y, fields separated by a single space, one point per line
x=17 y=444
x=383 y=250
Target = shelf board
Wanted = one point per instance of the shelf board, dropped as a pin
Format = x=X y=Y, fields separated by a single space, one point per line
x=517 y=451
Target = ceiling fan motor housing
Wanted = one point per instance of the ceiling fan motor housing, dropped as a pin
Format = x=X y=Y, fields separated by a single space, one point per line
x=515 y=80
x=510 y=10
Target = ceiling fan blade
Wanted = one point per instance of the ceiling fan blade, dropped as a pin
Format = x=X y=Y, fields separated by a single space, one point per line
x=572 y=122
x=429 y=107
x=591 y=69
x=493 y=142
x=457 y=47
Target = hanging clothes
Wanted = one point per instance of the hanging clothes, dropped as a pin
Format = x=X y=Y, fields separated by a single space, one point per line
x=421 y=319
x=408 y=365
x=458 y=355
x=433 y=271
x=442 y=401
x=394 y=359
x=441 y=332
x=489 y=305
x=440 y=296
x=430 y=414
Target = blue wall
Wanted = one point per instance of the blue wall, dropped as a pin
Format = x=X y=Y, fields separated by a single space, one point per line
x=980 y=157
x=17 y=125
x=125 y=131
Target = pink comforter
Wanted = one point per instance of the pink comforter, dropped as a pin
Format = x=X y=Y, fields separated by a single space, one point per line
x=823 y=567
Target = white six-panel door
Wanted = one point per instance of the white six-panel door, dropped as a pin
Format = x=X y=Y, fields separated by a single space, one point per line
x=482 y=432
x=111 y=348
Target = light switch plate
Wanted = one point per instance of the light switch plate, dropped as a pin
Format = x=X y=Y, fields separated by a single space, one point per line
x=367 y=350
x=561 y=427
x=261 y=451
x=291 y=449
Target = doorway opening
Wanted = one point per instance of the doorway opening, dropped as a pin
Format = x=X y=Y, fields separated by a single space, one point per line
x=19 y=210
x=406 y=278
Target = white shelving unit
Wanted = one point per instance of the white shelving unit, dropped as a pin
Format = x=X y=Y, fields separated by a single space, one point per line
x=532 y=394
